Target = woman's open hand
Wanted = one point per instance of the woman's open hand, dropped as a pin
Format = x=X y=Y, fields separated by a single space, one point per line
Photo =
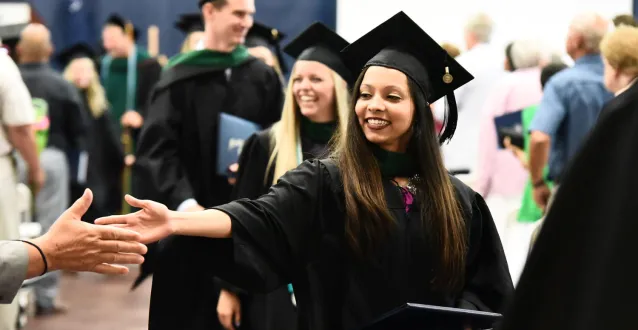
x=152 y=221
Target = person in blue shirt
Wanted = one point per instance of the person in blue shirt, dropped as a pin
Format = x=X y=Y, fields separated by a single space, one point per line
x=570 y=106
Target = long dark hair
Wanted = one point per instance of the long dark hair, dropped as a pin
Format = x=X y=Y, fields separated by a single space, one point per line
x=368 y=219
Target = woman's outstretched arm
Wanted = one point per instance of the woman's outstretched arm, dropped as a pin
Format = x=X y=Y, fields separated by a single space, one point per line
x=154 y=221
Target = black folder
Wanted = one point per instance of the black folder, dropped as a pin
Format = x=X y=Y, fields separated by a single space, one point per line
x=428 y=317
x=510 y=125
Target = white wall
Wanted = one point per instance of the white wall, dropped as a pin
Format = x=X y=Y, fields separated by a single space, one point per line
x=14 y=13
x=443 y=20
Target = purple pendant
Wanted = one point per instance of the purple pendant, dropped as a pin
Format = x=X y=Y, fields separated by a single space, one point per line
x=408 y=198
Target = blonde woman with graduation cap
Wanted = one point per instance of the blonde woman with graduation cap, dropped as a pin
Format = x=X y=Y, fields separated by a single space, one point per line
x=315 y=109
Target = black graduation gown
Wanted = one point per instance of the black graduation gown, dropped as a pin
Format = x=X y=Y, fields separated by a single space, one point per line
x=106 y=161
x=251 y=180
x=176 y=151
x=177 y=148
x=272 y=311
x=581 y=273
x=148 y=74
x=295 y=234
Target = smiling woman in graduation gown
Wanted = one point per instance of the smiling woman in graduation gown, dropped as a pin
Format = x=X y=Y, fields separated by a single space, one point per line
x=379 y=225
x=303 y=133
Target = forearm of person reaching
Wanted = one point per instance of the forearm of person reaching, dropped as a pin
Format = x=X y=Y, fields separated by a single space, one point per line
x=154 y=221
x=207 y=223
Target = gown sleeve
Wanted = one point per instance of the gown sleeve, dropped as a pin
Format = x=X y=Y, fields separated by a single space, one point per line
x=253 y=161
x=158 y=167
x=274 y=236
x=149 y=74
x=488 y=284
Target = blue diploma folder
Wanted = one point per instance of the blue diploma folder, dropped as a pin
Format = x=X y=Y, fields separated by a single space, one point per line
x=510 y=125
x=233 y=132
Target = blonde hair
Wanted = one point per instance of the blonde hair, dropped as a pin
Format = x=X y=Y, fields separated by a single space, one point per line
x=620 y=49
x=284 y=134
x=451 y=49
x=94 y=93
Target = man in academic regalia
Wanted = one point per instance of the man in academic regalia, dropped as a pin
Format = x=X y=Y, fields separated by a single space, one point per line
x=126 y=90
x=177 y=150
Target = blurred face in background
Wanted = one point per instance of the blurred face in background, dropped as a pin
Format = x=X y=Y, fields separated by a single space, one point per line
x=229 y=23
x=314 y=91
x=115 y=41
x=82 y=72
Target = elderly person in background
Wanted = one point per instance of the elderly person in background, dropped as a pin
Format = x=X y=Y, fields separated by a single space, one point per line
x=580 y=275
x=571 y=103
x=485 y=62
x=500 y=178
x=620 y=55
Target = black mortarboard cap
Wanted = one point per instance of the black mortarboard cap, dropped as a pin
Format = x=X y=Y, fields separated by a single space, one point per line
x=79 y=50
x=263 y=35
x=119 y=21
x=188 y=23
x=417 y=317
x=319 y=43
x=399 y=43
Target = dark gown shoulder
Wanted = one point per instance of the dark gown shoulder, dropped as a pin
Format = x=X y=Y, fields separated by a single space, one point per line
x=581 y=273
x=252 y=179
x=253 y=70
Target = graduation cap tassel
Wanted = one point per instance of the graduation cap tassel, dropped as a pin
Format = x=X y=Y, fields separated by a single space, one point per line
x=451 y=117
x=127 y=142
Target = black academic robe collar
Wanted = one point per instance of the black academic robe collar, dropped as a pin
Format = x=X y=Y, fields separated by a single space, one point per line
x=183 y=72
x=394 y=164
x=622 y=100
